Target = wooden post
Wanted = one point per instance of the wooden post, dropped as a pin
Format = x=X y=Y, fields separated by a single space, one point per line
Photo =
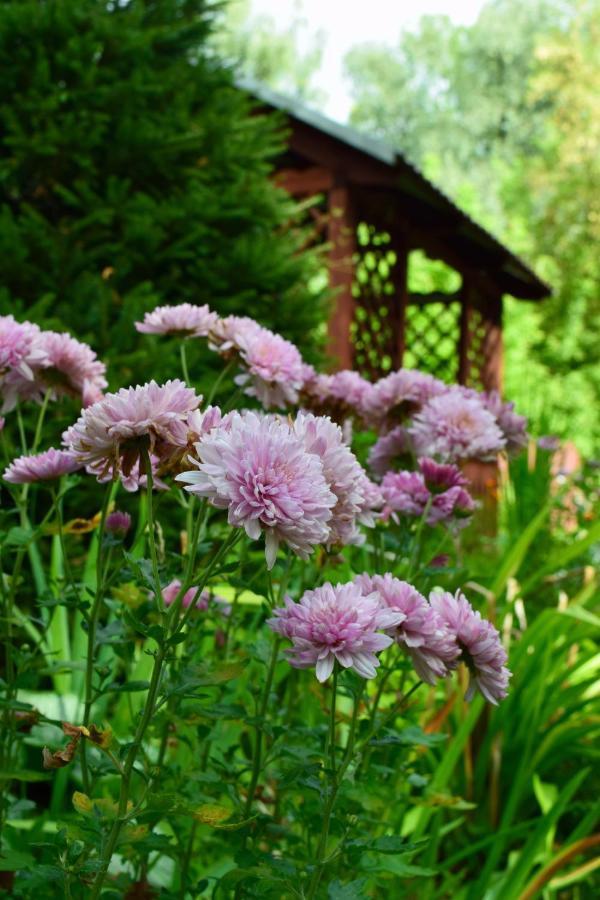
x=341 y=234
x=400 y=299
x=492 y=368
x=464 y=340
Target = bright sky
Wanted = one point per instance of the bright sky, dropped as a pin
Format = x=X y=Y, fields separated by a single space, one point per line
x=346 y=23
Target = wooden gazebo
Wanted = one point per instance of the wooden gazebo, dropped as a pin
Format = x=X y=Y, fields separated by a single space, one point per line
x=375 y=208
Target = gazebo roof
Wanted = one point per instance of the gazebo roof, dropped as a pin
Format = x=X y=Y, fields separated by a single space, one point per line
x=374 y=166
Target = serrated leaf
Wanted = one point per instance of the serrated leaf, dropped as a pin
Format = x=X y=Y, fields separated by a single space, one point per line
x=351 y=890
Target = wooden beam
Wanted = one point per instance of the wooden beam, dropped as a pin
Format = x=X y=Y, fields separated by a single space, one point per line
x=464 y=340
x=341 y=234
x=418 y=299
x=305 y=182
x=492 y=369
x=400 y=299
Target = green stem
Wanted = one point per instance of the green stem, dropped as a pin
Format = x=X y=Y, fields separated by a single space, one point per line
x=184 y=365
x=333 y=782
x=219 y=380
x=153 y=552
x=416 y=549
x=185 y=868
x=40 y=422
x=257 y=755
x=92 y=628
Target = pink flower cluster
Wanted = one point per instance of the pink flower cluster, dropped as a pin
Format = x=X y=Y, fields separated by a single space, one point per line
x=351 y=623
x=184 y=320
x=456 y=425
x=35 y=362
x=173 y=589
x=399 y=394
x=437 y=491
x=296 y=482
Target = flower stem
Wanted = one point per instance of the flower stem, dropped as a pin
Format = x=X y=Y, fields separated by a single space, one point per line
x=257 y=756
x=184 y=365
x=333 y=782
x=91 y=633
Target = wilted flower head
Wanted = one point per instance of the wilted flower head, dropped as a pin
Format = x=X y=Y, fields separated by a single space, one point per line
x=110 y=434
x=479 y=642
x=343 y=474
x=438 y=477
x=184 y=320
x=456 y=425
x=134 y=480
x=335 y=623
x=118 y=523
x=398 y=394
x=273 y=368
x=44 y=466
x=512 y=425
x=259 y=470
x=389 y=450
x=422 y=632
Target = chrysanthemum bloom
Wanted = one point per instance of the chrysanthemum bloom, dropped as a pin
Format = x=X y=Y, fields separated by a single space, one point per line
x=389 y=451
x=456 y=426
x=409 y=494
x=479 y=642
x=44 y=466
x=404 y=492
x=136 y=479
x=273 y=367
x=20 y=354
x=342 y=395
x=171 y=591
x=109 y=435
x=422 y=632
x=335 y=623
x=183 y=320
x=398 y=394
x=372 y=504
x=118 y=523
x=198 y=423
x=259 y=470
x=343 y=474
x=70 y=368
x=512 y=425
x=438 y=477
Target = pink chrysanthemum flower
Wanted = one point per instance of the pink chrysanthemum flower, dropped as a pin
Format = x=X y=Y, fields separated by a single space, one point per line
x=372 y=504
x=109 y=435
x=341 y=395
x=389 y=450
x=479 y=642
x=70 y=368
x=398 y=394
x=118 y=523
x=410 y=494
x=335 y=623
x=422 y=632
x=183 y=320
x=20 y=354
x=343 y=474
x=511 y=424
x=456 y=426
x=273 y=367
x=404 y=492
x=205 y=598
x=439 y=477
x=136 y=479
x=259 y=470
x=44 y=466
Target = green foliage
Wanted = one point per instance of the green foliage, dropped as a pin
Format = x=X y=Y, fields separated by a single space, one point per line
x=133 y=173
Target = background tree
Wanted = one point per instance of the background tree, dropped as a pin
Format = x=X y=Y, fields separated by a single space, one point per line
x=133 y=173
x=504 y=116
x=286 y=60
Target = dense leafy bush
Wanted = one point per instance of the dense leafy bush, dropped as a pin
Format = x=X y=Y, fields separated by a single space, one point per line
x=132 y=173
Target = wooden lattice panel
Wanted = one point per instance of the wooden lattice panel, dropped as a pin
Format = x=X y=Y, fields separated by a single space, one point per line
x=432 y=334
x=373 y=332
x=477 y=330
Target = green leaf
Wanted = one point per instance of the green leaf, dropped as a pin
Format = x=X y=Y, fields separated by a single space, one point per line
x=130 y=687
x=25 y=775
x=13 y=860
x=350 y=890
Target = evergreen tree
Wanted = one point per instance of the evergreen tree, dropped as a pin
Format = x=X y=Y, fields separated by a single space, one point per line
x=134 y=173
